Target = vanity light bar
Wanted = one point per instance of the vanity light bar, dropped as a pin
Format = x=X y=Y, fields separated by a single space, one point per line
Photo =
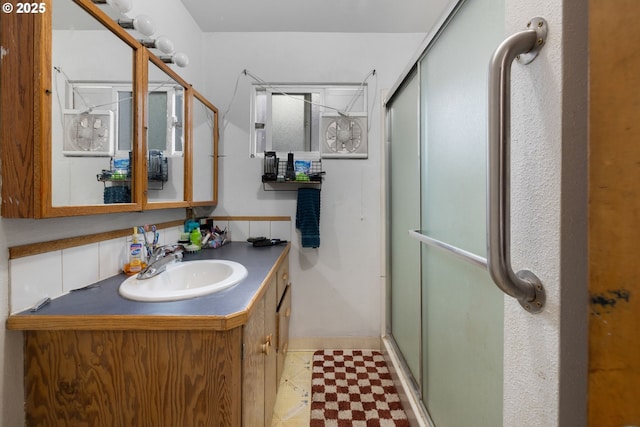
x=144 y=25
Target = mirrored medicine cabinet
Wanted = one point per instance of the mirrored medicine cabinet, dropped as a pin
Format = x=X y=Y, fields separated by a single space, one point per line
x=97 y=123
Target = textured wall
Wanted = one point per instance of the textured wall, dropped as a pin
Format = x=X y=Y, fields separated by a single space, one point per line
x=547 y=187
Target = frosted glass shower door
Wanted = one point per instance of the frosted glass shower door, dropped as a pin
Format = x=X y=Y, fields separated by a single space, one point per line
x=404 y=297
x=462 y=325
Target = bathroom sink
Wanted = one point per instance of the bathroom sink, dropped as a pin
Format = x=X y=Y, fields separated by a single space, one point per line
x=185 y=280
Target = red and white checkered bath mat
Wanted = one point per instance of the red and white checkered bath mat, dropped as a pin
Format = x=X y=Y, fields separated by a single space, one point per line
x=354 y=388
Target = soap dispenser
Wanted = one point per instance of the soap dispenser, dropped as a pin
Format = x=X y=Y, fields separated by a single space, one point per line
x=135 y=264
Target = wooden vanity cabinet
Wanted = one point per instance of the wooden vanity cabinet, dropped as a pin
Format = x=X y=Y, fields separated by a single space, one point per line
x=157 y=378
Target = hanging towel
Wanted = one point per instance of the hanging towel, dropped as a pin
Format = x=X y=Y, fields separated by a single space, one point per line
x=308 y=216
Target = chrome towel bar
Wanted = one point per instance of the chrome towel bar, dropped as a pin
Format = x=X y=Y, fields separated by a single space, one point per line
x=525 y=286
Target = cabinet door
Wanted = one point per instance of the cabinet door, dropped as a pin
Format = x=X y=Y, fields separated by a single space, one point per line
x=259 y=363
x=63 y=143
x=132 y=378
x=270 y=370
x=284 y=314
x=283 y=277
x=253 y=364
x=77 y=126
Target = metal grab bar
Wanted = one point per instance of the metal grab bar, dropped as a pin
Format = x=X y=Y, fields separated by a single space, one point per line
x=523 y=285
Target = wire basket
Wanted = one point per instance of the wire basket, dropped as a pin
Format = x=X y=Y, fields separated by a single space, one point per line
x=315 y=170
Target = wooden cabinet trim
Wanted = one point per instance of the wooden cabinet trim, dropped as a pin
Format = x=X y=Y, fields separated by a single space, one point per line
x=71 y=242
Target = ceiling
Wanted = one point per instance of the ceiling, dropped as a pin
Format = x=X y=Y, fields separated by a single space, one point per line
x=345 y=16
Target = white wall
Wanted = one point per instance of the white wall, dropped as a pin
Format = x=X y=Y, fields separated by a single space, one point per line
x=545 y=355
x=173 y=21
x=337 y=289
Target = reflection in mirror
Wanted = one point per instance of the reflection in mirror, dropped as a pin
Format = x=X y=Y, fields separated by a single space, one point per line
x=165 y=137
x=165 y=117
x=90 y=144
x=203 y=170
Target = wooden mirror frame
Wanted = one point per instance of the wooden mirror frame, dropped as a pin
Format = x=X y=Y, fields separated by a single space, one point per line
x=149 y=57
x=193 y=96
x=25 y=120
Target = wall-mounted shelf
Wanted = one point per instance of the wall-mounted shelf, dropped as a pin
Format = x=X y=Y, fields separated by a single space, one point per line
x=314 y=176
x=289 y=185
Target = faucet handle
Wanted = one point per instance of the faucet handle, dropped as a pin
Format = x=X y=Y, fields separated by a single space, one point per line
x=162 y=251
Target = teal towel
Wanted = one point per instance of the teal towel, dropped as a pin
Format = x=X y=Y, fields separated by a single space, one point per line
x=308 y=217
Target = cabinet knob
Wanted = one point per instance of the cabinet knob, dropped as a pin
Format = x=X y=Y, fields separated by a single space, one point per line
x=285 y=277
x=288 y=312
x=266 y=346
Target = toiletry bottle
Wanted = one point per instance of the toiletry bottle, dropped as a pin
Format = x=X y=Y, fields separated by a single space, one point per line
x=135 y=254
x=196 y=238
x=290 y=174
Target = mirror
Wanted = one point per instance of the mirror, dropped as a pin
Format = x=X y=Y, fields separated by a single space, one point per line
x=92 y=113
x=165 y=137
x=204 y=119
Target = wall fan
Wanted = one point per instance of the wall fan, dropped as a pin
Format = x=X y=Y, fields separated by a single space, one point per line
x=343 y=136
x=88 y=133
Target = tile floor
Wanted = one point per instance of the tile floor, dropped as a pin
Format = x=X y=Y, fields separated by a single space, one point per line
x=293 y=403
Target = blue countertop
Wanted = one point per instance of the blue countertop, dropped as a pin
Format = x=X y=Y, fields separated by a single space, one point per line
x=104 y=306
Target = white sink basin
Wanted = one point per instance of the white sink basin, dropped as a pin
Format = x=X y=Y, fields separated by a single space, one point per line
x=184 y=280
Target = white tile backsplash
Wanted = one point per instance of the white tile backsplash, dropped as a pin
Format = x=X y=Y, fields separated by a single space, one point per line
x=260 y=229
x=80 y=266
x=33 y=278
x=112 y=256
x=170 y=236
x=239 y=231
x=281 y=230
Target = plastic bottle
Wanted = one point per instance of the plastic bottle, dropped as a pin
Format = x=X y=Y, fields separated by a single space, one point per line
x=135 y=254
x=196 y=238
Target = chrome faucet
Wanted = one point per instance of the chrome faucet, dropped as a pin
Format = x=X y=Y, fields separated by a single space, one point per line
x=162 y=256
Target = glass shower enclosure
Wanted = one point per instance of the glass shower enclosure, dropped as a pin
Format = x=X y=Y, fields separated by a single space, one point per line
x=445 y=315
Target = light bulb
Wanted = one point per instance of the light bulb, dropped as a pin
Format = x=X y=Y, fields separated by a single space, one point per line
x=164 y=45
x=181 y=59
x=120 y=6
x=141 y=23
x=144 y=25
